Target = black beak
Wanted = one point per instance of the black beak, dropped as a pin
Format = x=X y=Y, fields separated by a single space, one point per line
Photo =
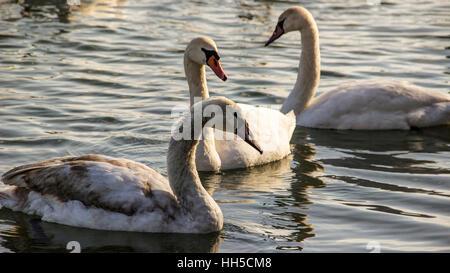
x=276 y=34
x=251 y=141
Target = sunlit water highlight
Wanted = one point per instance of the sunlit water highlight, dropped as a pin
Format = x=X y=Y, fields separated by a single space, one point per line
x=103 y=78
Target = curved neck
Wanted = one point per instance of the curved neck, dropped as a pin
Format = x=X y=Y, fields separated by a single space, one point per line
x=308 y=71
x=206 y=153
x=186 y=185
x=195 y=75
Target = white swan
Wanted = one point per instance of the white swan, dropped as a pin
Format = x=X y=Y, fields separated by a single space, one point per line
x=272 y=128
x=102 y=192
x=369 y=106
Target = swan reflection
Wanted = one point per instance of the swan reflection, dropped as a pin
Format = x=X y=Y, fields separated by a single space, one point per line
x=388 y=151
x=274 y=196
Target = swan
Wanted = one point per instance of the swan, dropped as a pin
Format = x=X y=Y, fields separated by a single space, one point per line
x=368 y=106
x=102 y=192
x=218 y=150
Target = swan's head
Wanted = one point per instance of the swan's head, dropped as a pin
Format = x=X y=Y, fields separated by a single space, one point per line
x=294 y=18
x=224 y=114
x=203 y=51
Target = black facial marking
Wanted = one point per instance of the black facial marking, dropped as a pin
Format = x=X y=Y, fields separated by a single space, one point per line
x=235 y=123
x=209 y=53
x=247 y=130
x=280 y=24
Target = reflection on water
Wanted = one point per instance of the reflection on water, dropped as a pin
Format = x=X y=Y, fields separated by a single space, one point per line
x=273 y=195
x=263 y=178
x=103 y=77
x=376 y=179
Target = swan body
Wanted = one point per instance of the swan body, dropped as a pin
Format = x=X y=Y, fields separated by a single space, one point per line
x=273 y=131
x=102 y=192
x=380 y=106
x=272 y=128
x=363 y=106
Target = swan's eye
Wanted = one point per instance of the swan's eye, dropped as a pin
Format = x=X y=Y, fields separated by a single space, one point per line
x=280 y=24
x=211 y=53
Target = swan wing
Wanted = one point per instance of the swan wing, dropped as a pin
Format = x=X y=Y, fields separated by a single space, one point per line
x=112 y=184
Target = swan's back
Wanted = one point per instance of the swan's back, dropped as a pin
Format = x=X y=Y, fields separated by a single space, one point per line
x=377 y=106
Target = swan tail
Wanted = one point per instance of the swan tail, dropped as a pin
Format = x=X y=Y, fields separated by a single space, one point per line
x=17 y=175
x=433 y=115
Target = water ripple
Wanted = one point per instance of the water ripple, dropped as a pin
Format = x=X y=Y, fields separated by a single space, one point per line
x=104 y=77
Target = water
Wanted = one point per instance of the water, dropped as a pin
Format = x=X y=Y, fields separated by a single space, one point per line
x=104 y=77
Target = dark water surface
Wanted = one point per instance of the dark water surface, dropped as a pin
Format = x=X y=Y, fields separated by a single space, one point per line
x=103 y=78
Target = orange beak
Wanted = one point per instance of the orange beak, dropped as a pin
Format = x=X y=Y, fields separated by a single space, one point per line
x=215 y=66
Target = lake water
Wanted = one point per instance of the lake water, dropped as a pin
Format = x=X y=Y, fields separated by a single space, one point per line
x=104 y=76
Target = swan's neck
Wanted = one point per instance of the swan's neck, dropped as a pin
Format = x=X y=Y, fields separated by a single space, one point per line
x=206 y=153
x=308 y=71
x=195 y=202
x=195 y=75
